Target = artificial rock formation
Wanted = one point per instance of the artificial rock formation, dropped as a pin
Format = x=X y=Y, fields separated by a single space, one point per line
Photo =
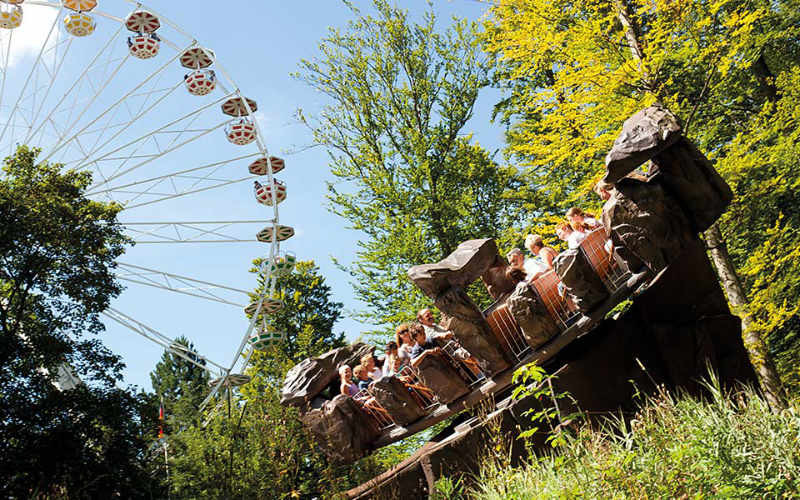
x=444 y=282
x=644 y=135
x=341 y=429
x=676 y=164
x=394 y=397
x=675 y=326
x=532 y=315
x=436 y=373
x=501 y=279
x=582 y=283
x=310 y=377
x=466 y=264
x=461 y=316
x=646 y=225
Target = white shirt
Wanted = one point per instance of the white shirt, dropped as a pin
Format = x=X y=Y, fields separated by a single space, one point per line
x=433 y=332
x=533 y=265
x=404 y=352
x=376 y=373
x=575 y=238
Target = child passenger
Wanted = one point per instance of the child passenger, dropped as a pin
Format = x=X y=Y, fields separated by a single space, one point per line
x=423 y=346
x=368 y=362
x=392 y=364
x=361 y=375
x=348 y=387
x=573 y=238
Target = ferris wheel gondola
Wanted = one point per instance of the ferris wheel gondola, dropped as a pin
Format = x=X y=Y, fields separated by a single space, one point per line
x=10 y=15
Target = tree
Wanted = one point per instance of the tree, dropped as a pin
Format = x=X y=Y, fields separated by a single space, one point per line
x=180 y=385
x=57 y=251
x=409 y=178
x=763 y=225
x=259 y=448
x=575 y=71
x=308 y=310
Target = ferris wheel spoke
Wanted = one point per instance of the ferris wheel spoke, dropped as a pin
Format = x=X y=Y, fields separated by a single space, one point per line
x=53 y=76
x=61 y=143
x=199 y=135
x=5 y=66
x=179 y=284
x=185 y=193
x=242 y=345
x=157 y=337
x=156 y=131
x=190 y=232
x=126 y=125
x=90 y=102
x=190 y=182
x=79 y=81
x=30 y=74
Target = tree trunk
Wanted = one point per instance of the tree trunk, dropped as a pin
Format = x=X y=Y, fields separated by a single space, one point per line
x=632 y=37
x=755 y=345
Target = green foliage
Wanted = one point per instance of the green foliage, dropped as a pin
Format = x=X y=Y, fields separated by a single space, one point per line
x=448 y=489
x=308 y=313
x=408 y=177
x=675 y=447
x=574 y=71
x=57 y=251
x=532 y=381
x=181 y=386
x=259 y=448
x=763 y=225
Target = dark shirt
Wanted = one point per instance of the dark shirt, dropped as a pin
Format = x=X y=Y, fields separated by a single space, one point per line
x=418 y=349
x=363 y=384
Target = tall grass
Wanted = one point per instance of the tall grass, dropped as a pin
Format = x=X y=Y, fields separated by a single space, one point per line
x=675 y=447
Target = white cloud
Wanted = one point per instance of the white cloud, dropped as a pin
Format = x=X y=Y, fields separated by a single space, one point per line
x=27 y=40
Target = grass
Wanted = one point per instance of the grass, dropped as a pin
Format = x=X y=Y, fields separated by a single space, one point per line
x=675 y=447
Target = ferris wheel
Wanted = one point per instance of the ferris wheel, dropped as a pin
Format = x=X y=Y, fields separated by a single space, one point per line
x=122 y=91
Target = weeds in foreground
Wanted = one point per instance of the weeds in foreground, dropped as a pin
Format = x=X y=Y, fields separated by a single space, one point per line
x=675 y=447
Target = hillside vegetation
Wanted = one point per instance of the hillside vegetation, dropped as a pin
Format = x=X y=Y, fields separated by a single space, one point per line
x=675 y=447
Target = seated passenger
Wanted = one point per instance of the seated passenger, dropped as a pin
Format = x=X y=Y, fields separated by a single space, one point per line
x=361 y=376
x=348 y=387
x=433 y=332
x=581 y=221
x=515 y=259
x=603 y=190
x=423 y=346
x=368 y=362
x=545 y=254
x=573 y=238
x=392 y=364
x=402 y=337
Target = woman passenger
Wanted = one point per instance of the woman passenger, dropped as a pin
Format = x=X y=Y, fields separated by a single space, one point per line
x=402 y=337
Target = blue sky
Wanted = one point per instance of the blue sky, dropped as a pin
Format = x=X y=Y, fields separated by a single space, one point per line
x=259 y=43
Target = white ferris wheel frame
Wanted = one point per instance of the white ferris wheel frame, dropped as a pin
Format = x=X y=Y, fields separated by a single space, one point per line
x=211 y=230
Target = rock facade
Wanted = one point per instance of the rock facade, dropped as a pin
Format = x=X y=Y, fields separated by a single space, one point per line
x=436 y=373
x=394 y=397
x=311 y=376
x=341 y=429
x=532 y=315
x=580 y=280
